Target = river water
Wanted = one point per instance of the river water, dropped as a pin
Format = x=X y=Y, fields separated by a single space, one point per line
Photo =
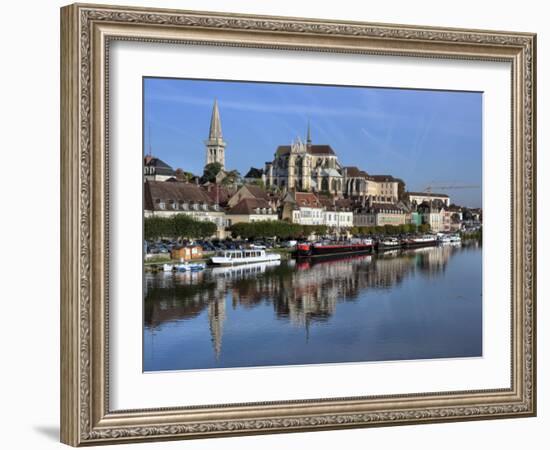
x=416 y=304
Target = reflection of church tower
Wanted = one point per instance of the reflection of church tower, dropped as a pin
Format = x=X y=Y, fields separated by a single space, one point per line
x=216 y=317
x=215 y=145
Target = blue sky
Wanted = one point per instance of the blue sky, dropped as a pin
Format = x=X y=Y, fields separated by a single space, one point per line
x=423 y=137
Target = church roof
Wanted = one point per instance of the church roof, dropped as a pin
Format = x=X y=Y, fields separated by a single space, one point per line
x=215 y=123
x=354 y=171
x=311 y=149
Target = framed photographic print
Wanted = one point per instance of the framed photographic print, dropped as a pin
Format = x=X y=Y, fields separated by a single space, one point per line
x=277 y=224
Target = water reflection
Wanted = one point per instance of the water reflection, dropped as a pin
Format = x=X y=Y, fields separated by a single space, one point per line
x=300 y=294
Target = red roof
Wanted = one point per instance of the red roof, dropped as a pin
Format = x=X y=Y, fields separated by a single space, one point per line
x=306 y=199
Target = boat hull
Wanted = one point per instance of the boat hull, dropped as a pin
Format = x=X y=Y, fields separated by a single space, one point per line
x=312 y=251
x=418 y=244
x=222 y=261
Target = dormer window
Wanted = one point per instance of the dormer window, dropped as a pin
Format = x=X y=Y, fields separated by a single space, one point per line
x=185 y=206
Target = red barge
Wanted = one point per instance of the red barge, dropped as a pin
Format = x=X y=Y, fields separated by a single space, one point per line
x=320 y=249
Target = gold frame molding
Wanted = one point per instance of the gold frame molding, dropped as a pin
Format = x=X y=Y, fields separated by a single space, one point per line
x=86 y=31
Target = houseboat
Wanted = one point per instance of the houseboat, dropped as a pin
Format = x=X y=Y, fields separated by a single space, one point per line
x=386 y=244
x=330 y=248
x=420 y=241
x=233 y=257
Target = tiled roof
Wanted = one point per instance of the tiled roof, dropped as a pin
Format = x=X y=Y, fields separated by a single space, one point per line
x=257 y=191
x=353 y=171
x=155 y=191
x=254 y=173
x=311 y=149
x=306 y=199
x=161 y=168
x=249 y=206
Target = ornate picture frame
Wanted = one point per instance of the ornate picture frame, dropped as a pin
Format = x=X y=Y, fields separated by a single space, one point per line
x=87 y=32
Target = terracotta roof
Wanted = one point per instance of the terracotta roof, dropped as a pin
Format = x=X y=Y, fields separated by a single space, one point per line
x=306 y=199
x=257 y=191
x=218 y=194
x=311 y=149
x=155 y=191
x=249 y=206
x=381 y=207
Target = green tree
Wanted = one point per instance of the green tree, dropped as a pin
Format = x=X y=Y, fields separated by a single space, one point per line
x=210 y=172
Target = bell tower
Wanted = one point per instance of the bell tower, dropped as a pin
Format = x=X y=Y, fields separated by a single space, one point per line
x=215 y=145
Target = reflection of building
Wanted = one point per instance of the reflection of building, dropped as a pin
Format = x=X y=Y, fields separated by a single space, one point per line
x=216 y=318
x=301 y=294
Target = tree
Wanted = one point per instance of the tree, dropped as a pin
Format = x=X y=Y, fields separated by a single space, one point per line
x=182 y=175
x=210 y=172
x=231 y=177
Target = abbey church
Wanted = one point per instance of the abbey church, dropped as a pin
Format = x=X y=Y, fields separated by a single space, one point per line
x=307 y=167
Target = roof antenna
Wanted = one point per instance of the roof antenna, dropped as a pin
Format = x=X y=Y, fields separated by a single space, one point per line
x=150 y=150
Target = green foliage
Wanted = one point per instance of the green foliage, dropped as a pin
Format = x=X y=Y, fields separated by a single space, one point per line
x=210 y=172
x=424 y=228
x=231 y=177
x=177 y=226
x=275 y=228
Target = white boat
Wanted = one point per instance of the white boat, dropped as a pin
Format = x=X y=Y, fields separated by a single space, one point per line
x=421 y=241
x=167 y=267
x=455 y=238
x=232 y=257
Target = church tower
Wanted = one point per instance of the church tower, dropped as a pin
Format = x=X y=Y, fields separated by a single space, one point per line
x=215 y=145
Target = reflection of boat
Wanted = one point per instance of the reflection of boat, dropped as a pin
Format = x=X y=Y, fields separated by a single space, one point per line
x=449 y=238
x=388 y=244
x=322 y=249
x=243 y=269
x=232 y=257
x=421 y=241
x=183 y=267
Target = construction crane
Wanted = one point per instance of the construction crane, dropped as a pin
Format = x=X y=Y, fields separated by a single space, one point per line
x=449 y=187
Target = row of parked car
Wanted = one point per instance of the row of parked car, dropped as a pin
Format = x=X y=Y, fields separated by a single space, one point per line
x=166 y=246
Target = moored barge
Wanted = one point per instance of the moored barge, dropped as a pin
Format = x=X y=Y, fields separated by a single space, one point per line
x=420 y=241
x=325 y=249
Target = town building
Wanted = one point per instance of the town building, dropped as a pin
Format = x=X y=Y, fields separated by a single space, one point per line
x=251 y=210
x=164 y=199
x=337 y=213
x=435 y=215
x=154 y=169
x=302 y=208
x=379 y=214
x=215 y=145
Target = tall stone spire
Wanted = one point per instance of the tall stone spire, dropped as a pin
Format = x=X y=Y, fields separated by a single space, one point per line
x=308 y=138
x=215 y=123
x=215 y=145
